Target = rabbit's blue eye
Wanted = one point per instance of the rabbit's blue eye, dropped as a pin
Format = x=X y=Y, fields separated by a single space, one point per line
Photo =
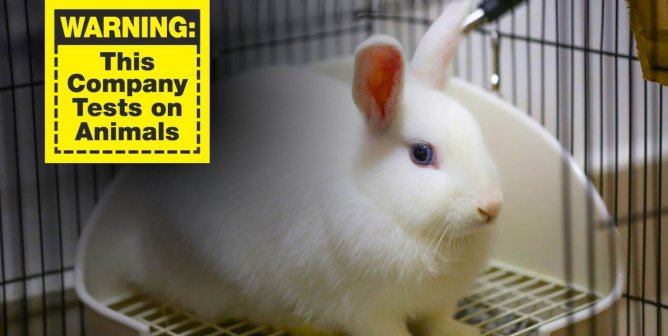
x=422 y=154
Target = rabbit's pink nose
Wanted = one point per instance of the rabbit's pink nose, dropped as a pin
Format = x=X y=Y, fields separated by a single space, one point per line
x=489 y=207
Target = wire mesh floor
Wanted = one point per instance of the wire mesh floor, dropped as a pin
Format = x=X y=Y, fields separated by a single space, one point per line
x=503 y=303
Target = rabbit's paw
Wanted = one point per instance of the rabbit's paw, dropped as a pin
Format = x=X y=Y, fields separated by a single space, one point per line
x=450 y=327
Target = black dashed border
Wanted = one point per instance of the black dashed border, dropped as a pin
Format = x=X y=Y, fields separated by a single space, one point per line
x=55 y=106
x=57 y=150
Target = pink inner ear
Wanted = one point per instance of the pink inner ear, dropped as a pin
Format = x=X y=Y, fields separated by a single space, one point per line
x=382 y=81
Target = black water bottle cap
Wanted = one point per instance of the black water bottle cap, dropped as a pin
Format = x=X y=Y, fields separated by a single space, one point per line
x=495 y=8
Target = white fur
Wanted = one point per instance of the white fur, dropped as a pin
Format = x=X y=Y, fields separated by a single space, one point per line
x=438 y=45
x=378 y=40
x=305 y=216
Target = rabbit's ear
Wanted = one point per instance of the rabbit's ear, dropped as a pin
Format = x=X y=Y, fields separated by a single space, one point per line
x=437 y=47
x=379 y=80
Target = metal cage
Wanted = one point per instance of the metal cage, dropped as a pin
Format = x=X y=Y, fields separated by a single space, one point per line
x=570 y=64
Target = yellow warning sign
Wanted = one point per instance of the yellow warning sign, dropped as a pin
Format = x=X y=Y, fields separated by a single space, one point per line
x=127 y=81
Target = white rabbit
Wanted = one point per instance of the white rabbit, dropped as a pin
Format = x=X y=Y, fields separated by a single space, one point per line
x=312 y=214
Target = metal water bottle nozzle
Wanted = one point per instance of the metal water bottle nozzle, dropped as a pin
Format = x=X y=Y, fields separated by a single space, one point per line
x=490 y=10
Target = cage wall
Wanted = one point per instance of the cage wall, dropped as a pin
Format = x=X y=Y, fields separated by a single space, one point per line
x=570 y=64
